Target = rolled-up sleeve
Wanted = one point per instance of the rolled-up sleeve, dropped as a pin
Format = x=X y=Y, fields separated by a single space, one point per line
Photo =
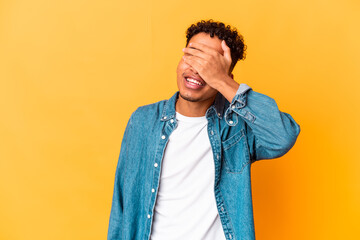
x=270 y=132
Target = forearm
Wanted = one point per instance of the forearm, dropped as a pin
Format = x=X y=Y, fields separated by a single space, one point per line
x=228 y=88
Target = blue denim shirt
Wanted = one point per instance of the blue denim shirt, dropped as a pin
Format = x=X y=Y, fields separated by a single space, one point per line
x=248 y=129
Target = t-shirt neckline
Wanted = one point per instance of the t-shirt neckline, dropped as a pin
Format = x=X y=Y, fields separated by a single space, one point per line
x=183 y=118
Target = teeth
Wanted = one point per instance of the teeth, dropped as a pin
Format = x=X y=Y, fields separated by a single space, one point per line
x=193 y=81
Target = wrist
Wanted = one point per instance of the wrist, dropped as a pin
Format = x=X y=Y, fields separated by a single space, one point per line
x=228 y=88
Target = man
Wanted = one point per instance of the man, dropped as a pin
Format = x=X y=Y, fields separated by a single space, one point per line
x=184 y=165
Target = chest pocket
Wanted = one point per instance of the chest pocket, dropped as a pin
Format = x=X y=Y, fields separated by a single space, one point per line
x=236 y=152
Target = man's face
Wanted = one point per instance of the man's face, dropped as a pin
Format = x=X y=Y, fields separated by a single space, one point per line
x=189 y=90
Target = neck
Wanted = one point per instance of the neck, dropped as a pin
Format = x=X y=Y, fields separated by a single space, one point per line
x=193 y=109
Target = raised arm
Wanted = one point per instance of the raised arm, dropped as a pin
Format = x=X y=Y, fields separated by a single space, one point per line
x=270 y=132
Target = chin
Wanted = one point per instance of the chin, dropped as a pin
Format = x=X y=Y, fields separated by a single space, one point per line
x=189 y=98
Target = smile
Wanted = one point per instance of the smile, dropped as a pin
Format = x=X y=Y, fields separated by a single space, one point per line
x=193 y=84
x=190 y=80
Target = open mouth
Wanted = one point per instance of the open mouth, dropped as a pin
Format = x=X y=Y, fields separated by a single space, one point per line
x=193 y=81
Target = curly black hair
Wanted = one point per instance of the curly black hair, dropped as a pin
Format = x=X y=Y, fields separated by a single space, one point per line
x=233 y=39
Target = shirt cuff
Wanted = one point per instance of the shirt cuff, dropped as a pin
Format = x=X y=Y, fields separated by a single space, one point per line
x=242 y=89
x=238 y=102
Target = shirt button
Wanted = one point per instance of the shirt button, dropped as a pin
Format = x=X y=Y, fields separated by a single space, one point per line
x=152 y=190
x=148 y=216
x=172 y=120
x=155 y=164
x=233 y=106
x=165 y=117
x=212 y=132
x=219 y=114
x=222 y=209
x=163 y=137
x=230 y=236
x=217 y=156
x=231 y=122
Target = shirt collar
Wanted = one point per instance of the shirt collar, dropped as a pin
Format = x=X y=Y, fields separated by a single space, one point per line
x=169 y=107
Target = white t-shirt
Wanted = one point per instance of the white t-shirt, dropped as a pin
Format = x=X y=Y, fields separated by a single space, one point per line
x=185 y=207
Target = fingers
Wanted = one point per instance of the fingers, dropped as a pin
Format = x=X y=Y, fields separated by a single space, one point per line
x=195 y=62
x=195 y=52
x=203 y=48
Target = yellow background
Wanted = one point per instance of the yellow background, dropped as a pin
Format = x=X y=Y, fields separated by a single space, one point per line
x=71 y=73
